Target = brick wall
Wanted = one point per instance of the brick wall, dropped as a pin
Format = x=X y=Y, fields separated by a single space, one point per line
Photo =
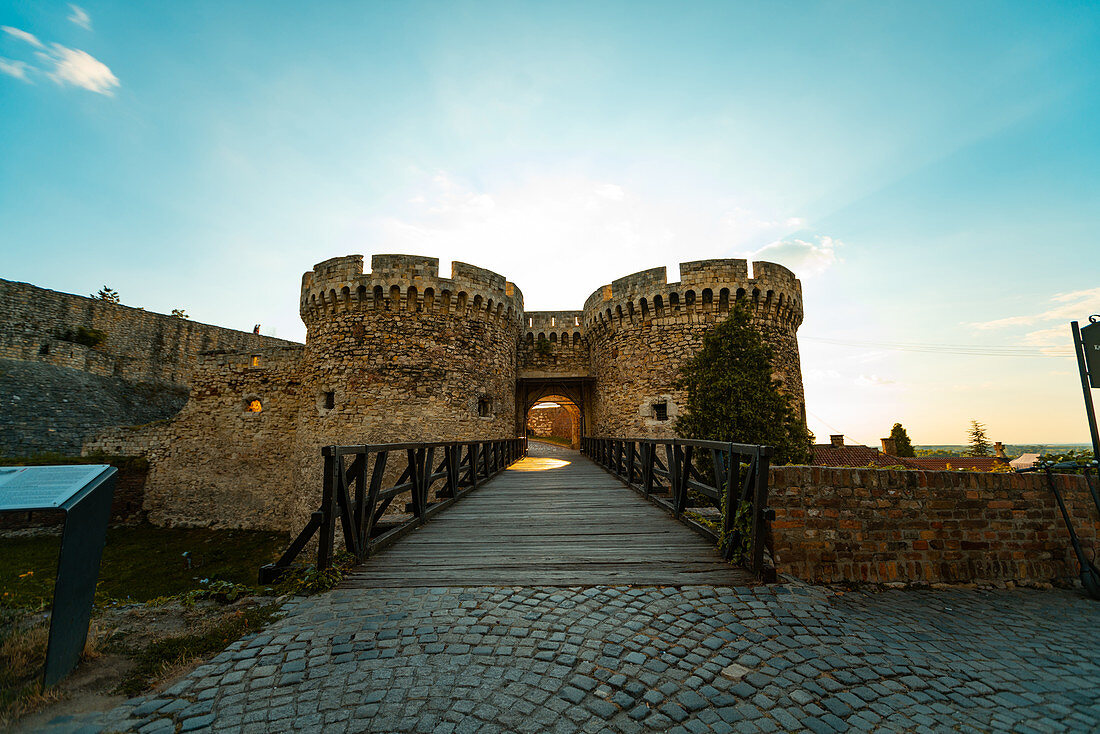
x=883 y=526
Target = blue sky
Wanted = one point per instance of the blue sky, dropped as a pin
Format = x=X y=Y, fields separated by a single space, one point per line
x=930 y=171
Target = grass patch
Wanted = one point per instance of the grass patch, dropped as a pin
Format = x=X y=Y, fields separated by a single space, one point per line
x=22 y=660
x=159 y=658
x=139 y=563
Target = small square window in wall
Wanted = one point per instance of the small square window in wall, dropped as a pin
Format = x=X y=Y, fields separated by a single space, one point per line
x=660 y=411
x=330 y=400
x=254 y=406
x=255 y=360
x=484 y=406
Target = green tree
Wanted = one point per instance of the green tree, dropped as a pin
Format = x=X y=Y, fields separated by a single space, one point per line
x=179 y=313
x=107 y=294
x=979 y=444
x=732 y=396
x=902 y=445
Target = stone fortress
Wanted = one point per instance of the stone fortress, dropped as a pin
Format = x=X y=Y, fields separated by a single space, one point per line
x=399 y=354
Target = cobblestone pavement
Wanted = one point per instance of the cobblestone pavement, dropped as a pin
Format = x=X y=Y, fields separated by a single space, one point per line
x=622 y=659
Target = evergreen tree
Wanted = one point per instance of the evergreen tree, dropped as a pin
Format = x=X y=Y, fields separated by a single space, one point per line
x=107 y=294
x=731 y=395
x=902 y=445
x=979 y=445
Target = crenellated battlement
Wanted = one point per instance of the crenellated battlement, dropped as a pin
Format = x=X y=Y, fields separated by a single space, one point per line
x=408 y=283
x=556 y=327
x=705 y=287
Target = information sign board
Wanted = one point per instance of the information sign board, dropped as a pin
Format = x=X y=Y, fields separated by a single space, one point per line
x=44 y=487
x=1090 y=343
x=84 y=494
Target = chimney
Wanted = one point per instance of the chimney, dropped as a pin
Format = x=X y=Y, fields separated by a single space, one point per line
x=999 y=450
x=837 y=440
x=888 y=446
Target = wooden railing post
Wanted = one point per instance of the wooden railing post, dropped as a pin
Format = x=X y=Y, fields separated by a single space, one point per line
x=376 y=477
x=630 y=454
x=759 y=508
x=649 y=455
x=685 y=477
x=328 y=509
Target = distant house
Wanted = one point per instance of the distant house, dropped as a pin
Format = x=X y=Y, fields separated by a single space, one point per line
x=836 y=453
x=957 y=463
x=1024 y=461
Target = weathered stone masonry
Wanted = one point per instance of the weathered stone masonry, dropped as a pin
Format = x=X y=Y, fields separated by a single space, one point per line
x=55 y=392
x=642 y=328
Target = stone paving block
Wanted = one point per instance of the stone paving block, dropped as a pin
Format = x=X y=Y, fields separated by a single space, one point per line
x=865 y=660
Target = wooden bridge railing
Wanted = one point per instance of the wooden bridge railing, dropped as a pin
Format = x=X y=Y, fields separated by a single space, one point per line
x=678 y=474
x=356 y=494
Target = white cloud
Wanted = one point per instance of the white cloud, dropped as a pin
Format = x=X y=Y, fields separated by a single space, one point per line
x=80 y=17
x=11 y=67
x=563 y=233
x=62 y=64
x=79 y=68
x=1067 y=307
x=803 y=257
x=874 y=381
x=22 y=36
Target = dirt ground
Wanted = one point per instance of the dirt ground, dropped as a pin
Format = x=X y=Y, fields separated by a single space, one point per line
x=117 y=637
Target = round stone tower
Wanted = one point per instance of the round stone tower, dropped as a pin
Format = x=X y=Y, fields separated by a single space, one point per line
x=641 y=329
x=401 y=354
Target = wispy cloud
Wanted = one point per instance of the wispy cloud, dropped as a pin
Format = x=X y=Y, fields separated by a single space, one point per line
x=80 y=69
x=1065 y=307
x=66 y=66
x=11 y=67
x=802 y=256
x=22 y=35
x=80 y=16
x=1053 y=337
x=874 y=381
x=599 y=220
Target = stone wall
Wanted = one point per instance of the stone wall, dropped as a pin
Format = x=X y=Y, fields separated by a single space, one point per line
x=218 y=464
x=564 y=350
x=48 y=408
x=553 y=421
x=893 y=526
x=139 y=372
x=642 y=328
x=140 y=346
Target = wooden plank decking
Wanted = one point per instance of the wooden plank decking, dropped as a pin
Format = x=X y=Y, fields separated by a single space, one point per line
x=553 y=519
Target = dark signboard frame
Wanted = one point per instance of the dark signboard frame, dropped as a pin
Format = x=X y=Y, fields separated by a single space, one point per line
x=1086 y=345
x=87 y=508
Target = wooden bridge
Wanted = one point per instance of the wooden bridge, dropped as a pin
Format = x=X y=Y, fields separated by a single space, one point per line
x=552 y=517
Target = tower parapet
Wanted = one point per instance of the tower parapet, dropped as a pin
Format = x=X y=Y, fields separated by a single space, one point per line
x=407 y=283
x=641 y=329
x=773 y=294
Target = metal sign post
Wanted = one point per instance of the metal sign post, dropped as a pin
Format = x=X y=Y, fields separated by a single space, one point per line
x=1086 y=344
x=84 y=494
